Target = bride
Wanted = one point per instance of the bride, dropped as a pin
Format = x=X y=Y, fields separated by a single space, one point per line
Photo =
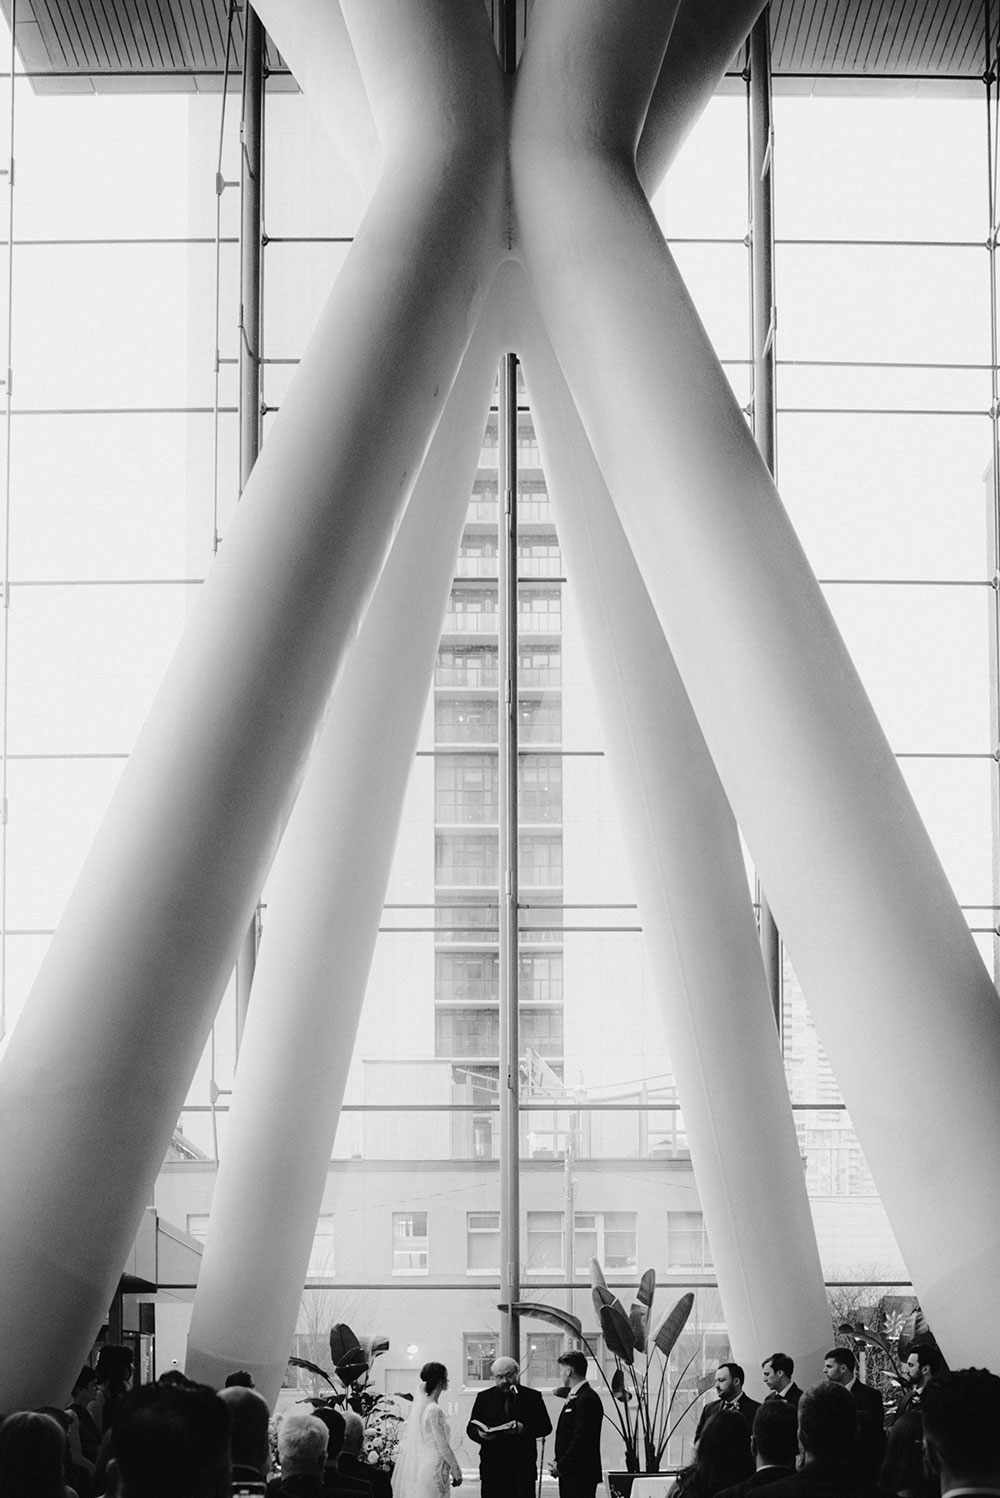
x=425 y=1459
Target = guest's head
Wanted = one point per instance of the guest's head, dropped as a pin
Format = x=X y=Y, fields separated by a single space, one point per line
x=169 y=1441
x=302 y=1441
x=177 y=1378
x=241 y=1379
x=775 y=1434
x=828 y=1424
x=335 y=1426
x=923 y=1362
x=354 y=1433
x=961 y=1413
x=777 y=1371
x=433 y=1376
x=32 y=1451
x=114 y=1366
x=249 y=1419
x=729 y=1380
x=85 y=1386
x=575 y=1364
x=840 y=1365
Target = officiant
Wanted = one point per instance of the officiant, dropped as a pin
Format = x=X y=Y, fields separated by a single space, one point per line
x=507 y=1423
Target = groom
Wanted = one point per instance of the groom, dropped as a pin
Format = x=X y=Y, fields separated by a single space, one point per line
x=508 y=1460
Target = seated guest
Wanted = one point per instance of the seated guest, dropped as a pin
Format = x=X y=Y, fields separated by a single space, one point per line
x=301 y=1456
x=170 y=1442
x=32 y=1457
x=241 y=1379
x=249 y=1420
x=777 y=1371
x=335 y=1481
x=722 y=1458
x=352 y=1464
x=828 y=1428
x=775 y=1444
x=961 y=1413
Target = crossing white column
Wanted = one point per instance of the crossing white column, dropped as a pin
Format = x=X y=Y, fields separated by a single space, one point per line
x=324 y=899
x=890 y=971
x=694 y=901
x=97 y=1069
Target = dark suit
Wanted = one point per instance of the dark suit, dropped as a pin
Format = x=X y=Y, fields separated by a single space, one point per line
x=578 y=1443
x=818 y=1480
x=869 y=1448
x=747 y=1407
x=508 y=1463
x=791 y=1396
x=762 y=1478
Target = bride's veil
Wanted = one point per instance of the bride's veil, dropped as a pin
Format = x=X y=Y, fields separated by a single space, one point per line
x=405 y=1472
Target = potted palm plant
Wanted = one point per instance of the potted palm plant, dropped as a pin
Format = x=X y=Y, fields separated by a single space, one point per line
x=644 y=1398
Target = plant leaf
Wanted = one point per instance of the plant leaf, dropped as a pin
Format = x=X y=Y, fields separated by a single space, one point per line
x=638 y=1319
x=672 y=1325
x=552 y=1314
x=311 y=1368
x=373 y=1347
x=618 y=1389
x=342 y=1343
x=647 y=1288
x=617 y=1332
x=597 y=1275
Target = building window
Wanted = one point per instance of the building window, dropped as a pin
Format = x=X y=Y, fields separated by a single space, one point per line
x=465 y=788
x=538 y=556
x=472 y=610
x=687 y=1244
x=470 y=666
x=467 y=1032
x=532 y=500
x=466 y=858
x=321 y=1263
x=483 y=1242
x=539 y=610
x=465 y=720
x=540 y=978
x=473 y=918
x=541 y=920
x=539 y=720
x=545 y=1243
x=542 y=1030
x=466 y=977
x=409 y=1242
x=539 y=666
x=541 y=1353
x=541 y=858
x=477 y=555
x=480 y=1352
x=540 y=788
x=609 y=1237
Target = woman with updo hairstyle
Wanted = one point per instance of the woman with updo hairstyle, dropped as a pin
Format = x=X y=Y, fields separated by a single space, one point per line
x=425 y=1462
x=722 y=1458
x=32 y=1454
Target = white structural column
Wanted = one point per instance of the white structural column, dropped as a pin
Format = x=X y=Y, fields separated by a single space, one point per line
x=889 y=968
x=701 y=938
x=324 y=899
x=96 y=1071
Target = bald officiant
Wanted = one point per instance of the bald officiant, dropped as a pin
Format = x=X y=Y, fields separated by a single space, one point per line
x=507 y=1423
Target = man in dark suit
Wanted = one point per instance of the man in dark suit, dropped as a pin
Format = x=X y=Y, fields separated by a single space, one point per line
x=508 y=1461
x=775 y=1443
x=777 y=1371
x=961 y=1412
x=840 y=1367
x=729 y=1379
x=828 y=1428
x=578 y=1433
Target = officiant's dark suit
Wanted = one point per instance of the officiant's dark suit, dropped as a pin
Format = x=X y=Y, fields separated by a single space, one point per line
x=508 y=1463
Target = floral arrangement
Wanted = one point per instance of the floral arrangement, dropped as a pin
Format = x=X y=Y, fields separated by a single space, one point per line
x=382 y=1428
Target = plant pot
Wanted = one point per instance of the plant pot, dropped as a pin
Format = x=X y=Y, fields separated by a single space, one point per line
x=638 y=1484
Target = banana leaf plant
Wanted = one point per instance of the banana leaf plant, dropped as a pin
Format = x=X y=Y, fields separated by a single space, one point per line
x=643 y=1407
x=352 y=1358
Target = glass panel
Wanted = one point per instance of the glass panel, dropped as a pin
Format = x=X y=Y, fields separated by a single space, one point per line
x=298 y=279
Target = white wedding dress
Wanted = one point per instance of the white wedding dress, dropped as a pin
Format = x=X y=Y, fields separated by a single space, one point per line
x=425 y=1462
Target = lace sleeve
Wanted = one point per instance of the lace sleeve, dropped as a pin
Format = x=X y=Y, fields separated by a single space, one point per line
x=438 y=1428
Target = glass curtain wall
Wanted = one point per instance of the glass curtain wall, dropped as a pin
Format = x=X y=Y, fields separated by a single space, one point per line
x=123 y=474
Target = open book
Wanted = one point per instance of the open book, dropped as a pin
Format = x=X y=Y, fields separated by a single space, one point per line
x=493 y=1430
